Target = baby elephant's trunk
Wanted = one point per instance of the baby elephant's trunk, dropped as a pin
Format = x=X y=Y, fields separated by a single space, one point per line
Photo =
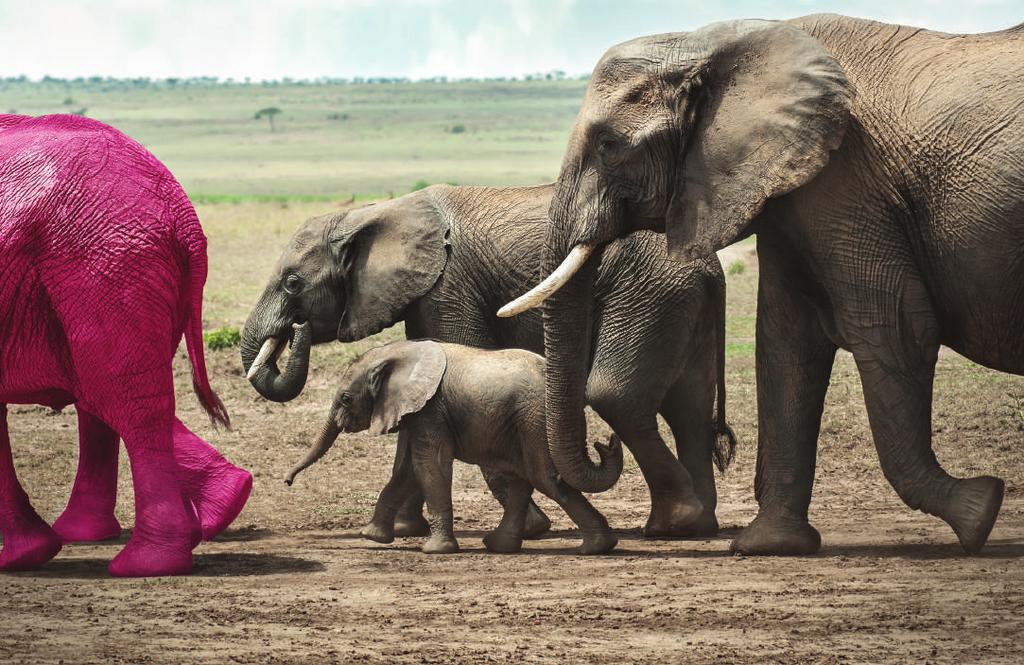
x=327 y=437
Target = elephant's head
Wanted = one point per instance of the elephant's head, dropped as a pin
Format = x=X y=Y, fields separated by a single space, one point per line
x=688 y=134
x=343 y=276
x=378 y=390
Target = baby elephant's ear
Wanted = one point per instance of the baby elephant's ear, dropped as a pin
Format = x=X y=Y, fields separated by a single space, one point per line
x=411 y=374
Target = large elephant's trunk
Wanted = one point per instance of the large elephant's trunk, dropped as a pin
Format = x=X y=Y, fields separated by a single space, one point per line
x=328 y=435
x=261 y=367
x=568 y=326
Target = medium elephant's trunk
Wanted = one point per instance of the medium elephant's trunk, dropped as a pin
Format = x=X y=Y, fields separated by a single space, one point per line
x=261 y=368
x=328 y=435
x=568 y=329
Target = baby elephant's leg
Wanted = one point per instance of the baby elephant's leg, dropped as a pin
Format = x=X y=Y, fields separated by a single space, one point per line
x=508 y=536
x=537 y=523
x=432 y=456
x=597 y=535
x=400 y=486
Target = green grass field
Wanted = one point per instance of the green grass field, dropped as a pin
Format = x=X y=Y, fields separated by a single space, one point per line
x=331 y=141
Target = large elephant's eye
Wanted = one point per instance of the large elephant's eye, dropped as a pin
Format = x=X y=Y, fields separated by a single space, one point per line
x=609 y=148
x=293 y=284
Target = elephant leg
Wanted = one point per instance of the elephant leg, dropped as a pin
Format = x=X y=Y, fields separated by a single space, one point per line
x=408 y=521
x=537 y=523
x=29 y=542
x=674 y=506
x=432 y=457
x=217 y=488
x=794 y=358
x=897 y=369
x=689 y=411
x=597 y=535
x=89 y=515
x=507 y=538
x=400 y=487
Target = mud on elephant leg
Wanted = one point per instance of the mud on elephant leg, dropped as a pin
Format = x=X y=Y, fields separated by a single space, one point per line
x=29 y=542
x=89 y=515
x=217 y=488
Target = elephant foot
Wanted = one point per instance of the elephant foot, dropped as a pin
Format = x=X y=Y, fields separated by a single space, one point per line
x=378 y=533
x=972 y=510
x=80 y=526
x=29 y=546
x=598 y=542
x=221 y=499
x=441 y=545
x=706 y=526
x=503 y=542
x=777 y=536
x=411 y=526
x=673 y=516
x=144 y=558
x=537 y=523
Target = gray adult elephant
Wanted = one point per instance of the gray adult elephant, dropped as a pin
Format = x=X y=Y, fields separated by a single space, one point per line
x=443 y=260
x=882 y=169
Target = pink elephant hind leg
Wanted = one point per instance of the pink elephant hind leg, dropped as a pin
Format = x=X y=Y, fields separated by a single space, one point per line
x=218 y=489
x=89 y=515
x=29 y=542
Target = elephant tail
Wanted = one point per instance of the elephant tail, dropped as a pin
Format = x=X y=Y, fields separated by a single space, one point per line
x=193 y=243
x=725 y=439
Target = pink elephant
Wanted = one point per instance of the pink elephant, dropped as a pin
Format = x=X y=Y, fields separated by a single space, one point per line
x=102 y=272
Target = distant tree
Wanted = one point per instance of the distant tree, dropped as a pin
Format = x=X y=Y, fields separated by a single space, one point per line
x=68 y=101
x=417 y=186
x=458 y=129
x=269 y=114
x=80 y=111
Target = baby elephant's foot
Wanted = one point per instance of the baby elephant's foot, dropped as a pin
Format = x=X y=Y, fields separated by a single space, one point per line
x=411 y=526
x=598 y=542
x=439 y=544
x=673 y=516
x=378 y=533
x=537 y=523
x=503 y=542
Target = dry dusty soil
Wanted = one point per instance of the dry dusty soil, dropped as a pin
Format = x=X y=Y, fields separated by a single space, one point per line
x=293 y=582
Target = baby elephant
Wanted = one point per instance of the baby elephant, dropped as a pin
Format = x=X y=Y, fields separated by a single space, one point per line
x=448 y=402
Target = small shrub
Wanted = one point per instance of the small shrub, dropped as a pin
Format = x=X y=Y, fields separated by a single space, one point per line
x=737 y=267
x=338 y=116
x=68 y=101
x=80 y=111
x=224 y=338
x=419 y=184
x=458 y=129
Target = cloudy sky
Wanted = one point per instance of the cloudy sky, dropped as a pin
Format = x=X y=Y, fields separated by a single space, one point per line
x=266 y=39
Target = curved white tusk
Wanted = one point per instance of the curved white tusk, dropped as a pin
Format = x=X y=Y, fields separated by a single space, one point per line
x=266 y=351
x=556 y=280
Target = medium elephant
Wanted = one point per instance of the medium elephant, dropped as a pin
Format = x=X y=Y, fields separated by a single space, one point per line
x=443 y=259
x=881 y=168
x=450 y=401
x=103 y=272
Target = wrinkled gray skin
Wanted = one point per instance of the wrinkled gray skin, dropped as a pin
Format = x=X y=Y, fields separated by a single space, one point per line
x=445 y=258
x=882 y=169
x=450 y=402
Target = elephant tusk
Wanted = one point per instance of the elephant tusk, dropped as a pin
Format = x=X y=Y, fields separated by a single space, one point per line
x=556 y=280
x=266 y=351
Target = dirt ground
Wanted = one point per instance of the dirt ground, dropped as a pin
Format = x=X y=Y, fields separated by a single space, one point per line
x=293 y=582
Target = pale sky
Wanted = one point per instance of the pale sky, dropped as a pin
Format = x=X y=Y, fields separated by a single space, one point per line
x=267 y=39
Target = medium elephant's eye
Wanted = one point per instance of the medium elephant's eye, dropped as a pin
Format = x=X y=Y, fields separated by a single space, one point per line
x=608 y=148
x=293 y=284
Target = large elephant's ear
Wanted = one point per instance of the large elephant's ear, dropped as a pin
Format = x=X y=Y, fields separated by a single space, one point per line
x=407 y=377
x=769 y=106
x=389 y=254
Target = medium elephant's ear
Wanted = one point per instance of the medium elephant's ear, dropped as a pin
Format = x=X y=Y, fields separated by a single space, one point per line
x=389 y=255
x=771 y=103
x=408 y=376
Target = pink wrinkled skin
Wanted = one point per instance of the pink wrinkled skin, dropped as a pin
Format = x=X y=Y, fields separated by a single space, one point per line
x=102 y=267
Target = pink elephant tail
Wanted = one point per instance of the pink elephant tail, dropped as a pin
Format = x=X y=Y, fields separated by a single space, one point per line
x=194 y=242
